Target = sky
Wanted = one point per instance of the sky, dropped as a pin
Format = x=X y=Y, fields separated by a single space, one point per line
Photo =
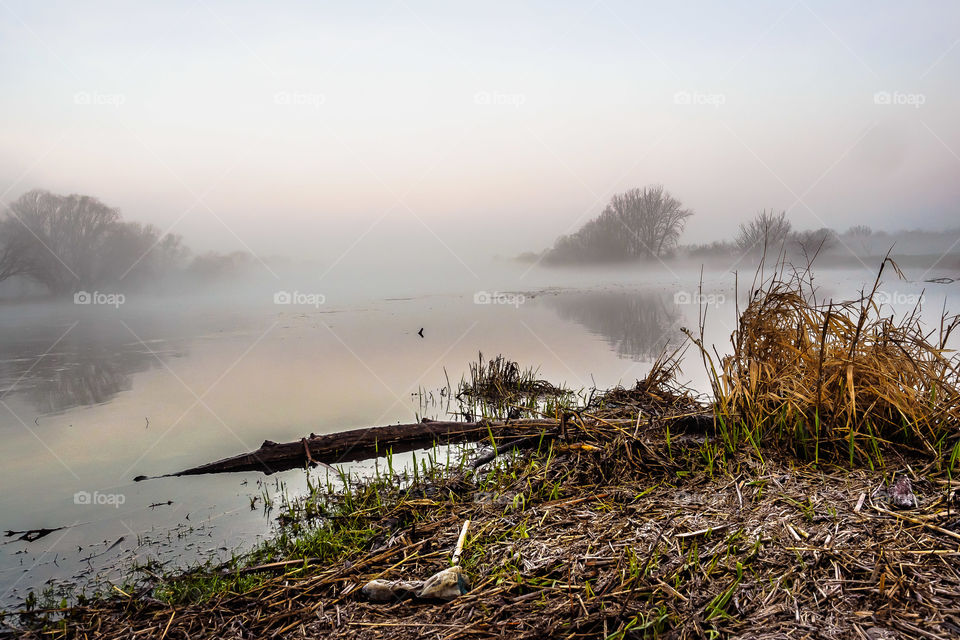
x=310 y=129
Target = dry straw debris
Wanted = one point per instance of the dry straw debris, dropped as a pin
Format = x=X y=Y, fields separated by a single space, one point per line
x=833 y=375
x=646 y=512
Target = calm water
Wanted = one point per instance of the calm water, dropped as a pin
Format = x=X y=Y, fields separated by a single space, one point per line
x=92 y=396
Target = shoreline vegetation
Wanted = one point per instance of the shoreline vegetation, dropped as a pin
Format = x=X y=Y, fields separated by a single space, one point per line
x=642 y=225
x=54 y=246
x=817 y=499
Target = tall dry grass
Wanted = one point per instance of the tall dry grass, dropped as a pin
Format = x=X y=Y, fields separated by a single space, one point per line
x=848 y=375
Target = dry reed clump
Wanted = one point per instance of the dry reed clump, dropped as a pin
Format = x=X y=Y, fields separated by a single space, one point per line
x=572 y=542
x=657 y=396
x=502 y=380
x=829 y=374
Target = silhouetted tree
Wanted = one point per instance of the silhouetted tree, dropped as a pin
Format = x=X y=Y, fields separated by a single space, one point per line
x=213 y=266
x=135 y=254
x=637 y=223
x=768 y=230
x=815 y=241
x=12 y=262
x=55 y=239
x=69 y=243
x=859 y=237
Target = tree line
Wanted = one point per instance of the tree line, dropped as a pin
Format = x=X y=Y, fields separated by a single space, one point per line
x=69 y=243
x=647 y=223
x=639 y=223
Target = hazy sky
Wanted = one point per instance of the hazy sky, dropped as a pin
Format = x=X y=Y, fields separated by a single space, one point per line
x=299 y=128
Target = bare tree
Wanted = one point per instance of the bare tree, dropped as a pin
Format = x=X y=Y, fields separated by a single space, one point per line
x=652 y=218
x=815 y=241
x=135 y=253
x=12 y=262
x=768 y=230
x=57 y=240
x=637 y=223
x=859 y=237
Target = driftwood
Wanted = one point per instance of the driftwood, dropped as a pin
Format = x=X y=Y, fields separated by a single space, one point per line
x=362 y=444
x=369 y=442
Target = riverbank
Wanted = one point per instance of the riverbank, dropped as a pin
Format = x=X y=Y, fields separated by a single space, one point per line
x=603 y=536
x=817 y=499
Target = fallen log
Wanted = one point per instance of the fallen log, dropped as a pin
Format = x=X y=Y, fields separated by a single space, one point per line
x=362 y=444
x=369 y=442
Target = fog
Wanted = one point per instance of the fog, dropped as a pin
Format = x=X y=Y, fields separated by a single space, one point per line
x=223 y=223
x=468 y=131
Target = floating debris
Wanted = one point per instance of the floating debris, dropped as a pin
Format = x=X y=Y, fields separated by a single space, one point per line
x=31 y=535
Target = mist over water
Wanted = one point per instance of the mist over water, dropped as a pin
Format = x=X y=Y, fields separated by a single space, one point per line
x=224 y=224
x=165 y=382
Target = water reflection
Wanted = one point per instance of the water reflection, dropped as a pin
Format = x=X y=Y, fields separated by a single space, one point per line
x=636 y=325
x=85 y=368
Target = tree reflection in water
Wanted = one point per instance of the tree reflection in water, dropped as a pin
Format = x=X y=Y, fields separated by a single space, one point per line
x=81 y=370
x=636 y=325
